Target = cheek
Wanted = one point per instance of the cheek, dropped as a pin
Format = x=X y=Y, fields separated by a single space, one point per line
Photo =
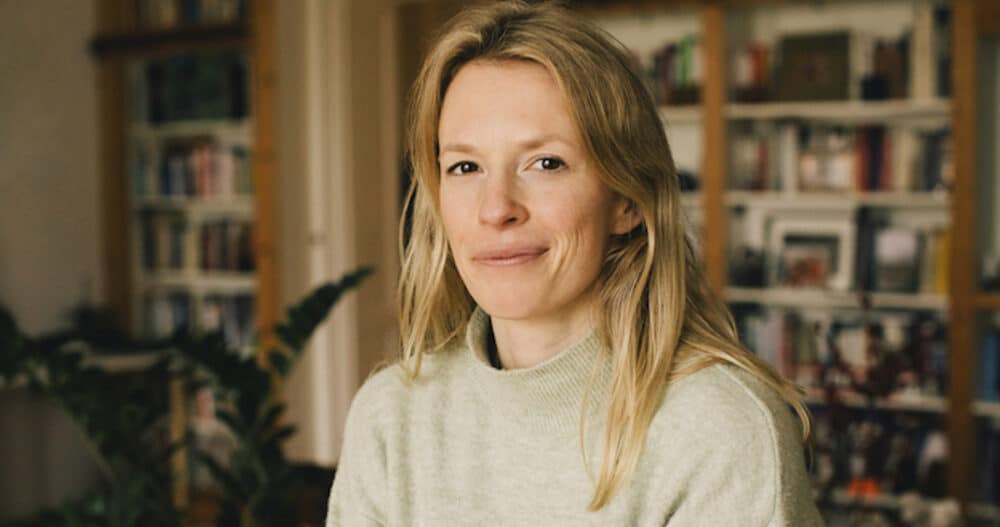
x=452 y=214
x=583 y=226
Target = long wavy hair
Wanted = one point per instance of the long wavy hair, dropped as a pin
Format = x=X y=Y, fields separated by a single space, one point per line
x=657 y=316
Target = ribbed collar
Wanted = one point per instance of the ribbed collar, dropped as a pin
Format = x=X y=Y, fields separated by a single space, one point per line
x=548 y=396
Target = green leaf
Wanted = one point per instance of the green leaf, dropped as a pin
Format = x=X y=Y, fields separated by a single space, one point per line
x=230 y=484
x=232 y=420
x=269 y=417
x=280 y=361
x=307 y=315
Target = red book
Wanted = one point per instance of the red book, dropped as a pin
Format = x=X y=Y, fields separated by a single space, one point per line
x=861 y=158
x=885 y=174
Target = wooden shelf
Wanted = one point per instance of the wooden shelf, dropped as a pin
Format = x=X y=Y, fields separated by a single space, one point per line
x=111 y=363
x=988 y=301
x=688 y=114
x=821 y=298
x=989 y=409
x=154 y=42
x=236 y=130
x=837 y=201
x=241 y=206
x=843 y=498
x=915 y=403
x=201 y=281
x=856 y=112
x=984 y=511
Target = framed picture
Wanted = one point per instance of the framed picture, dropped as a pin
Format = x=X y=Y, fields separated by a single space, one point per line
x=814 y=67
x=812 y=253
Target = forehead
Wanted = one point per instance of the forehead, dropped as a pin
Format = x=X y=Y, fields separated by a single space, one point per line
x=493 y=100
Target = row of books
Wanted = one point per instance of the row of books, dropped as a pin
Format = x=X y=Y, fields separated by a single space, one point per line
x=197 y=167
x=988 y=365
x=234 y=316
x=191 y=86
x=988 y=463
x=168 y=243
x=166 y=313
x=848 y=65
x=877 y=454
x=674 y=72
x=899 y=259
x=814 y=158
x=886 y=355
x=166 y=14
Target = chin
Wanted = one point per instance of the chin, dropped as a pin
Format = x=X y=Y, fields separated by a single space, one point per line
x=511 y=304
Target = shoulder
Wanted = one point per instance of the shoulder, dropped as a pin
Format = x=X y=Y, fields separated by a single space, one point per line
x=724 y=434
x=726 y=399
x=390 y=390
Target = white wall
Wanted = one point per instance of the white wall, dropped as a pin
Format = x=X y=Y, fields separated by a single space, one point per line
x=49 y=230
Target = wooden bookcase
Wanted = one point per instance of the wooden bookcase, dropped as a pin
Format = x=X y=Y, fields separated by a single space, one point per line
x=122 y=42
x=716 y=114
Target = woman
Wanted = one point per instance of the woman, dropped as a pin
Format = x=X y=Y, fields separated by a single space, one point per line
x=564 y=362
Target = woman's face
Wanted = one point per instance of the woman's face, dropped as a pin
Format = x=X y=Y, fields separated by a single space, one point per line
x=527 y=218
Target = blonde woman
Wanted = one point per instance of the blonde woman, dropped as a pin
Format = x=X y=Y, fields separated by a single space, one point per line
x=564 y=362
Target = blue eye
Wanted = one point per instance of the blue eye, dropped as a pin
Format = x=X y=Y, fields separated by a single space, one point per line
x=550 y=163
x=463 y=167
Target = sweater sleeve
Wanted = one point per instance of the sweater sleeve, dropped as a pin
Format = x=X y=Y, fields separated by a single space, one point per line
x=358 y=494
x=745 y=466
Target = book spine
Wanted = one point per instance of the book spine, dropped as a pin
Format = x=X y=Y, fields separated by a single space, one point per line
x=922 y=54
x=989 y=367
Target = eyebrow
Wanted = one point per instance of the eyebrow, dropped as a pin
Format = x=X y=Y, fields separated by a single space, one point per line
x=526 y=144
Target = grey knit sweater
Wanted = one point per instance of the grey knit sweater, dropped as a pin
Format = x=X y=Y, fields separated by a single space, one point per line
x=468 y=444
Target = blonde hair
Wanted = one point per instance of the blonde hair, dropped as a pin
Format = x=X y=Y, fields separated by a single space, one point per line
x=658 y=316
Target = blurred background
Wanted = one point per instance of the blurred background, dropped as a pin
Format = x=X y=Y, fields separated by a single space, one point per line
x=176 y=174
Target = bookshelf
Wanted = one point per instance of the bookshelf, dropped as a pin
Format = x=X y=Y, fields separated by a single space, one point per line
x=844 y=112
x=187 y=152
x=939 y=112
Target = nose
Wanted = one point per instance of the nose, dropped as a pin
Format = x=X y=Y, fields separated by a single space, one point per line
x=499 y=205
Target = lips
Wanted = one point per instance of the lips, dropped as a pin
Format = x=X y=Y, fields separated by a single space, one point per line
x=509 y=256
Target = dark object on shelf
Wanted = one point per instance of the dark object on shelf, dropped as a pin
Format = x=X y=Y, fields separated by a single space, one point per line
x=747 y=268
x=874 y=88
x=684 y=95
x=226 y=35
x=890 y=75
x=688 y=181
x=198 y=86
x=813 y=67
x=942 y=47
x=749 y=94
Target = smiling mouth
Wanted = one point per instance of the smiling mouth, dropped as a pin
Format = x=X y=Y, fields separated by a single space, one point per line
x=509 y=258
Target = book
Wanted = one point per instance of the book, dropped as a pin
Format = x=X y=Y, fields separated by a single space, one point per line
x=988 y=366
x=897 y=256
x=922 y=55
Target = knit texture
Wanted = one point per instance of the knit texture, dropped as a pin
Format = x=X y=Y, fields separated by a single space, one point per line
x=467 y=444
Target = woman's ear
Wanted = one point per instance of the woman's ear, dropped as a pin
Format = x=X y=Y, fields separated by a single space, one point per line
x=626 y=216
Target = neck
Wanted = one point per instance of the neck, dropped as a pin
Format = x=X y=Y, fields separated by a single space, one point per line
x=523 y=343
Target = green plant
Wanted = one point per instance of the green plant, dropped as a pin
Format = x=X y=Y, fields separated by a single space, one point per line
x=122 y=418
x=260 y=486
